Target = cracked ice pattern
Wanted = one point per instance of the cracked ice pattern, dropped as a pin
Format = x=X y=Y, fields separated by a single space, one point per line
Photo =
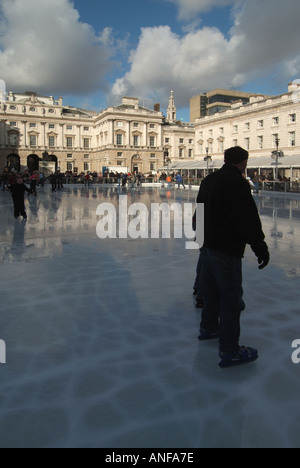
x=101 y=336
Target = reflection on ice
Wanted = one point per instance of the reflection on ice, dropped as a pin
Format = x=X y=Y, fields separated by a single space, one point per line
x=101 y=336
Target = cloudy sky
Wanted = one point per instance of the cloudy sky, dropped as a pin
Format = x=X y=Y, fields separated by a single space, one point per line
x=93 y=52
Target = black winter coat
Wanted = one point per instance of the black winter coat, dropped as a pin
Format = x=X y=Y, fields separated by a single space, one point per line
x=231 y=215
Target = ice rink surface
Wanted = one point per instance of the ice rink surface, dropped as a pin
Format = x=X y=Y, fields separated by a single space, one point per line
x=101 y=335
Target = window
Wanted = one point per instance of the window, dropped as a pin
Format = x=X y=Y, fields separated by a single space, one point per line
x=13 y=124
x=136 y=140
x=181 y=153
x=221 y=147
x=152 y=155
x=32 y=125
x=190 y=153
x=51 y=141
x=275 y=120
x=135 y=125
x=275 y=137
x=86 y=129
x=152 y=166
x=69 y=142
x=211 y=133
x=247 y=126
x=293 y=118
x=119 y=140
x=86 y=166
x=181 y=141
x=69 y=156
x=70 y=167
x=235 y=129
x=32 y=140
x=119 y=124
x=235 y=143
x=222 y=131
x=51 y=126
x=86 y=156
x=167 y=140
x=260 y=124
x=292 y=137
x=260 y=142
x=152 y=126
x=120 y=155
x=152 y=141
x=119 y=163
x=69 y=127
x=191 y=142
x=86 y=143
x=13 y=139
x=247 y=143
x=13 y=108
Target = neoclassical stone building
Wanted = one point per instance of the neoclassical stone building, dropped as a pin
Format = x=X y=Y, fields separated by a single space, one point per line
x=39 y=132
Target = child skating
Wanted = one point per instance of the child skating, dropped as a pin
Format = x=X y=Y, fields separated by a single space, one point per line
x=18 y=193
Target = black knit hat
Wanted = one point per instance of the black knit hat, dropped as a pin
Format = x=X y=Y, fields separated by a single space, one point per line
x=235 y=155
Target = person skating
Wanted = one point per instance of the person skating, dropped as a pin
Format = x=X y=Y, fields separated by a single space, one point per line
x=231 y=222
x=18 y=193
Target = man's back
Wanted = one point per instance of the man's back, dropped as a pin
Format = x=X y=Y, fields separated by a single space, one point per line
x=231 y=216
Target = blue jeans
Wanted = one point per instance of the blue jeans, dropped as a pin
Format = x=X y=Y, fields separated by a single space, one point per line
x=223 y=297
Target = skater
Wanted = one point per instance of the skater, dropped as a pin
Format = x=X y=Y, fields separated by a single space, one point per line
x=53 y=182
x=18 y=192
x=34 y=182
x=179 y=180
x=231 y=222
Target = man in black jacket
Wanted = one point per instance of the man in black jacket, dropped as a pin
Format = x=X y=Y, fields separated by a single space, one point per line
x=18 y=192
x=231 y=222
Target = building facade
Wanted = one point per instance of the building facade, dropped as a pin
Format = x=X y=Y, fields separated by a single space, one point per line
x=40 y=133
x=258 y=126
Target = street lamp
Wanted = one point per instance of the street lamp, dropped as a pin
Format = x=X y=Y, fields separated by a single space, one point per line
x=276 y=155
x=208 y=159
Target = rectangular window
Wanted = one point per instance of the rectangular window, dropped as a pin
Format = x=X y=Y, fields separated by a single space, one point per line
x=247 y=143
x=136 y=140
x=292 y=136
x=86 y=156
x=51 y=141
x=69 y=127
x=32 y=125
x=260 y=142
x=13 y=124
x=152 y=126
x=181 y=141
x=32 y=140
x=152 y=141
x=235 y=129
x=119 y=140
x=152 y=155
x=275 y=137
x=260 y=124
x=69 y=142
x=222 y=131
x=190 y=153
x=293 y=118
x=181 y=153
x=235 y=143
x=69 y=155
x=120 y=155
x=152 y=166
x=247 y=126
x=221 y=147
x=86 y=143
x=70 y=167
x=275 y=120
x=135 y=125
x=86 y=129
x=13 y=139
x=167 y=140
x=86 y=166
x=51 y=126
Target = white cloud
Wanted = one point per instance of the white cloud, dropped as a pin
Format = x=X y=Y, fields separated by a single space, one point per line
x=44 y=47
x=189 y=8
x=263 y=41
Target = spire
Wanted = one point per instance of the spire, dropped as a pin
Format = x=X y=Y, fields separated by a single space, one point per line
x=172 y=111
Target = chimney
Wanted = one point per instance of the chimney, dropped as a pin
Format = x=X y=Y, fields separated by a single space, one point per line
x=157 y=107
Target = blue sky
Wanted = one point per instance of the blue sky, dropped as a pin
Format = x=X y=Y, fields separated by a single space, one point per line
x=94 y=52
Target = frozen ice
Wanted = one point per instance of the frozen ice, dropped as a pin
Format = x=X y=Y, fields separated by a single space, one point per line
x=101 y=335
